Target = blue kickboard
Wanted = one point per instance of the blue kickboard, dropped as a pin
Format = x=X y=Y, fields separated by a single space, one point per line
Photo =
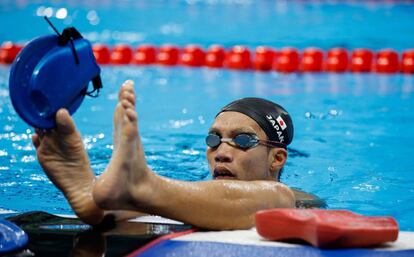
x=212 y=249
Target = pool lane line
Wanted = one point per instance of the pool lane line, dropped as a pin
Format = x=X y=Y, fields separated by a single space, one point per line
x=238 y=57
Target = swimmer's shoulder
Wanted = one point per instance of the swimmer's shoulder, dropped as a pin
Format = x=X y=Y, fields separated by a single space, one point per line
x=306 y=200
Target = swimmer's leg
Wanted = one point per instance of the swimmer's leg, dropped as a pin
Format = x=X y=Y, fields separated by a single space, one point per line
x=127 y=170
x=61 y=154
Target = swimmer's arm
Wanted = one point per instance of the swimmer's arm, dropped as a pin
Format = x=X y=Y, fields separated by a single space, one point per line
x=217 y=204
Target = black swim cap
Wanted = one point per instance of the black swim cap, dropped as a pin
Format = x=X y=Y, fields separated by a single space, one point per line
x=271 y=117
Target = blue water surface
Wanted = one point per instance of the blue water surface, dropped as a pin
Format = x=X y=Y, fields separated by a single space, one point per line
x=325 y=24
x=353 y=132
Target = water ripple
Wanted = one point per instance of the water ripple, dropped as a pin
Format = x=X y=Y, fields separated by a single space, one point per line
x=321 y=116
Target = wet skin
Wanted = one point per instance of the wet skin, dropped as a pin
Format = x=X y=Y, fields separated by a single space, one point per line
x=63 y=158
x=230 y=162
x=129 y=184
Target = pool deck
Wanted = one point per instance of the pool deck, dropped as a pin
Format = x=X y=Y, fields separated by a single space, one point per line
x=53 y=235
x=249 y=243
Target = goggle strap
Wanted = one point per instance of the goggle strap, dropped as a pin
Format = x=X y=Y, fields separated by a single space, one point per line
x=272 y=143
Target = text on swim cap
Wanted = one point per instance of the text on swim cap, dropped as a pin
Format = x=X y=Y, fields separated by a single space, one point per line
x=278 y=124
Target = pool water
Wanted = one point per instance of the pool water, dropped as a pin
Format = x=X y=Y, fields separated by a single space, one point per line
x=353 y=140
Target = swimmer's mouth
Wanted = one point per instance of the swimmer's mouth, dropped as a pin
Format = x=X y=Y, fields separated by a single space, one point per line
x=223 y=173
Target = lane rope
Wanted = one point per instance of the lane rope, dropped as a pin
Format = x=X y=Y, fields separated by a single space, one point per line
x=262 y=58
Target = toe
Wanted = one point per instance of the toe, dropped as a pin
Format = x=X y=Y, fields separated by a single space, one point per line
x=40 y=133
x=126 y=104
x=128 y=86
x=36 y=140
x=64 y=122
x=129 y=97
x=131 y=114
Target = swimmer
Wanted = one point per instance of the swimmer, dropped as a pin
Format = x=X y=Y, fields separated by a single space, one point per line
x=246 y=153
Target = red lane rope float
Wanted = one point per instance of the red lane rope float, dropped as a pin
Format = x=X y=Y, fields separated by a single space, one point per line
x=193 y=56
x=145 y=55
x=9 y=51
x=168 y=55
x=102 y=53
x=238 y=58
x=121 y=54
x=287 y=60
x=263 y=58
x=337 y=60
x=312 y=60
x=387 y=61
x=361 y=60
x=407 y=65
x=215 y=56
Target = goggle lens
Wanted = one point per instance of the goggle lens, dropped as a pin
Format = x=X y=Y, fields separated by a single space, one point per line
x=213 y=140
x=243 y=141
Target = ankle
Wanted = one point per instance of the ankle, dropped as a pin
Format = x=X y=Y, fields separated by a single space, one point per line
x=143 y=192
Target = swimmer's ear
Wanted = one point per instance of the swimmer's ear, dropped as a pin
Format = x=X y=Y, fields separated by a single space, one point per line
x=278 y=159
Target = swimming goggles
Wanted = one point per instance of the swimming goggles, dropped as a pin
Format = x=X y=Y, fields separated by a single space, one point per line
x=243 y=141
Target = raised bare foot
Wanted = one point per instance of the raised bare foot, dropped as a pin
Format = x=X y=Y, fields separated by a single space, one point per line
x=125 y=175
x=61 y=154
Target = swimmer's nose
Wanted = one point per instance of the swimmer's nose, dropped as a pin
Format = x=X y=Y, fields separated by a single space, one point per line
x=224 y=153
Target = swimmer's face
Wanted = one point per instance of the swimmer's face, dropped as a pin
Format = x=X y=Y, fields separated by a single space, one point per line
x=230 y=162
